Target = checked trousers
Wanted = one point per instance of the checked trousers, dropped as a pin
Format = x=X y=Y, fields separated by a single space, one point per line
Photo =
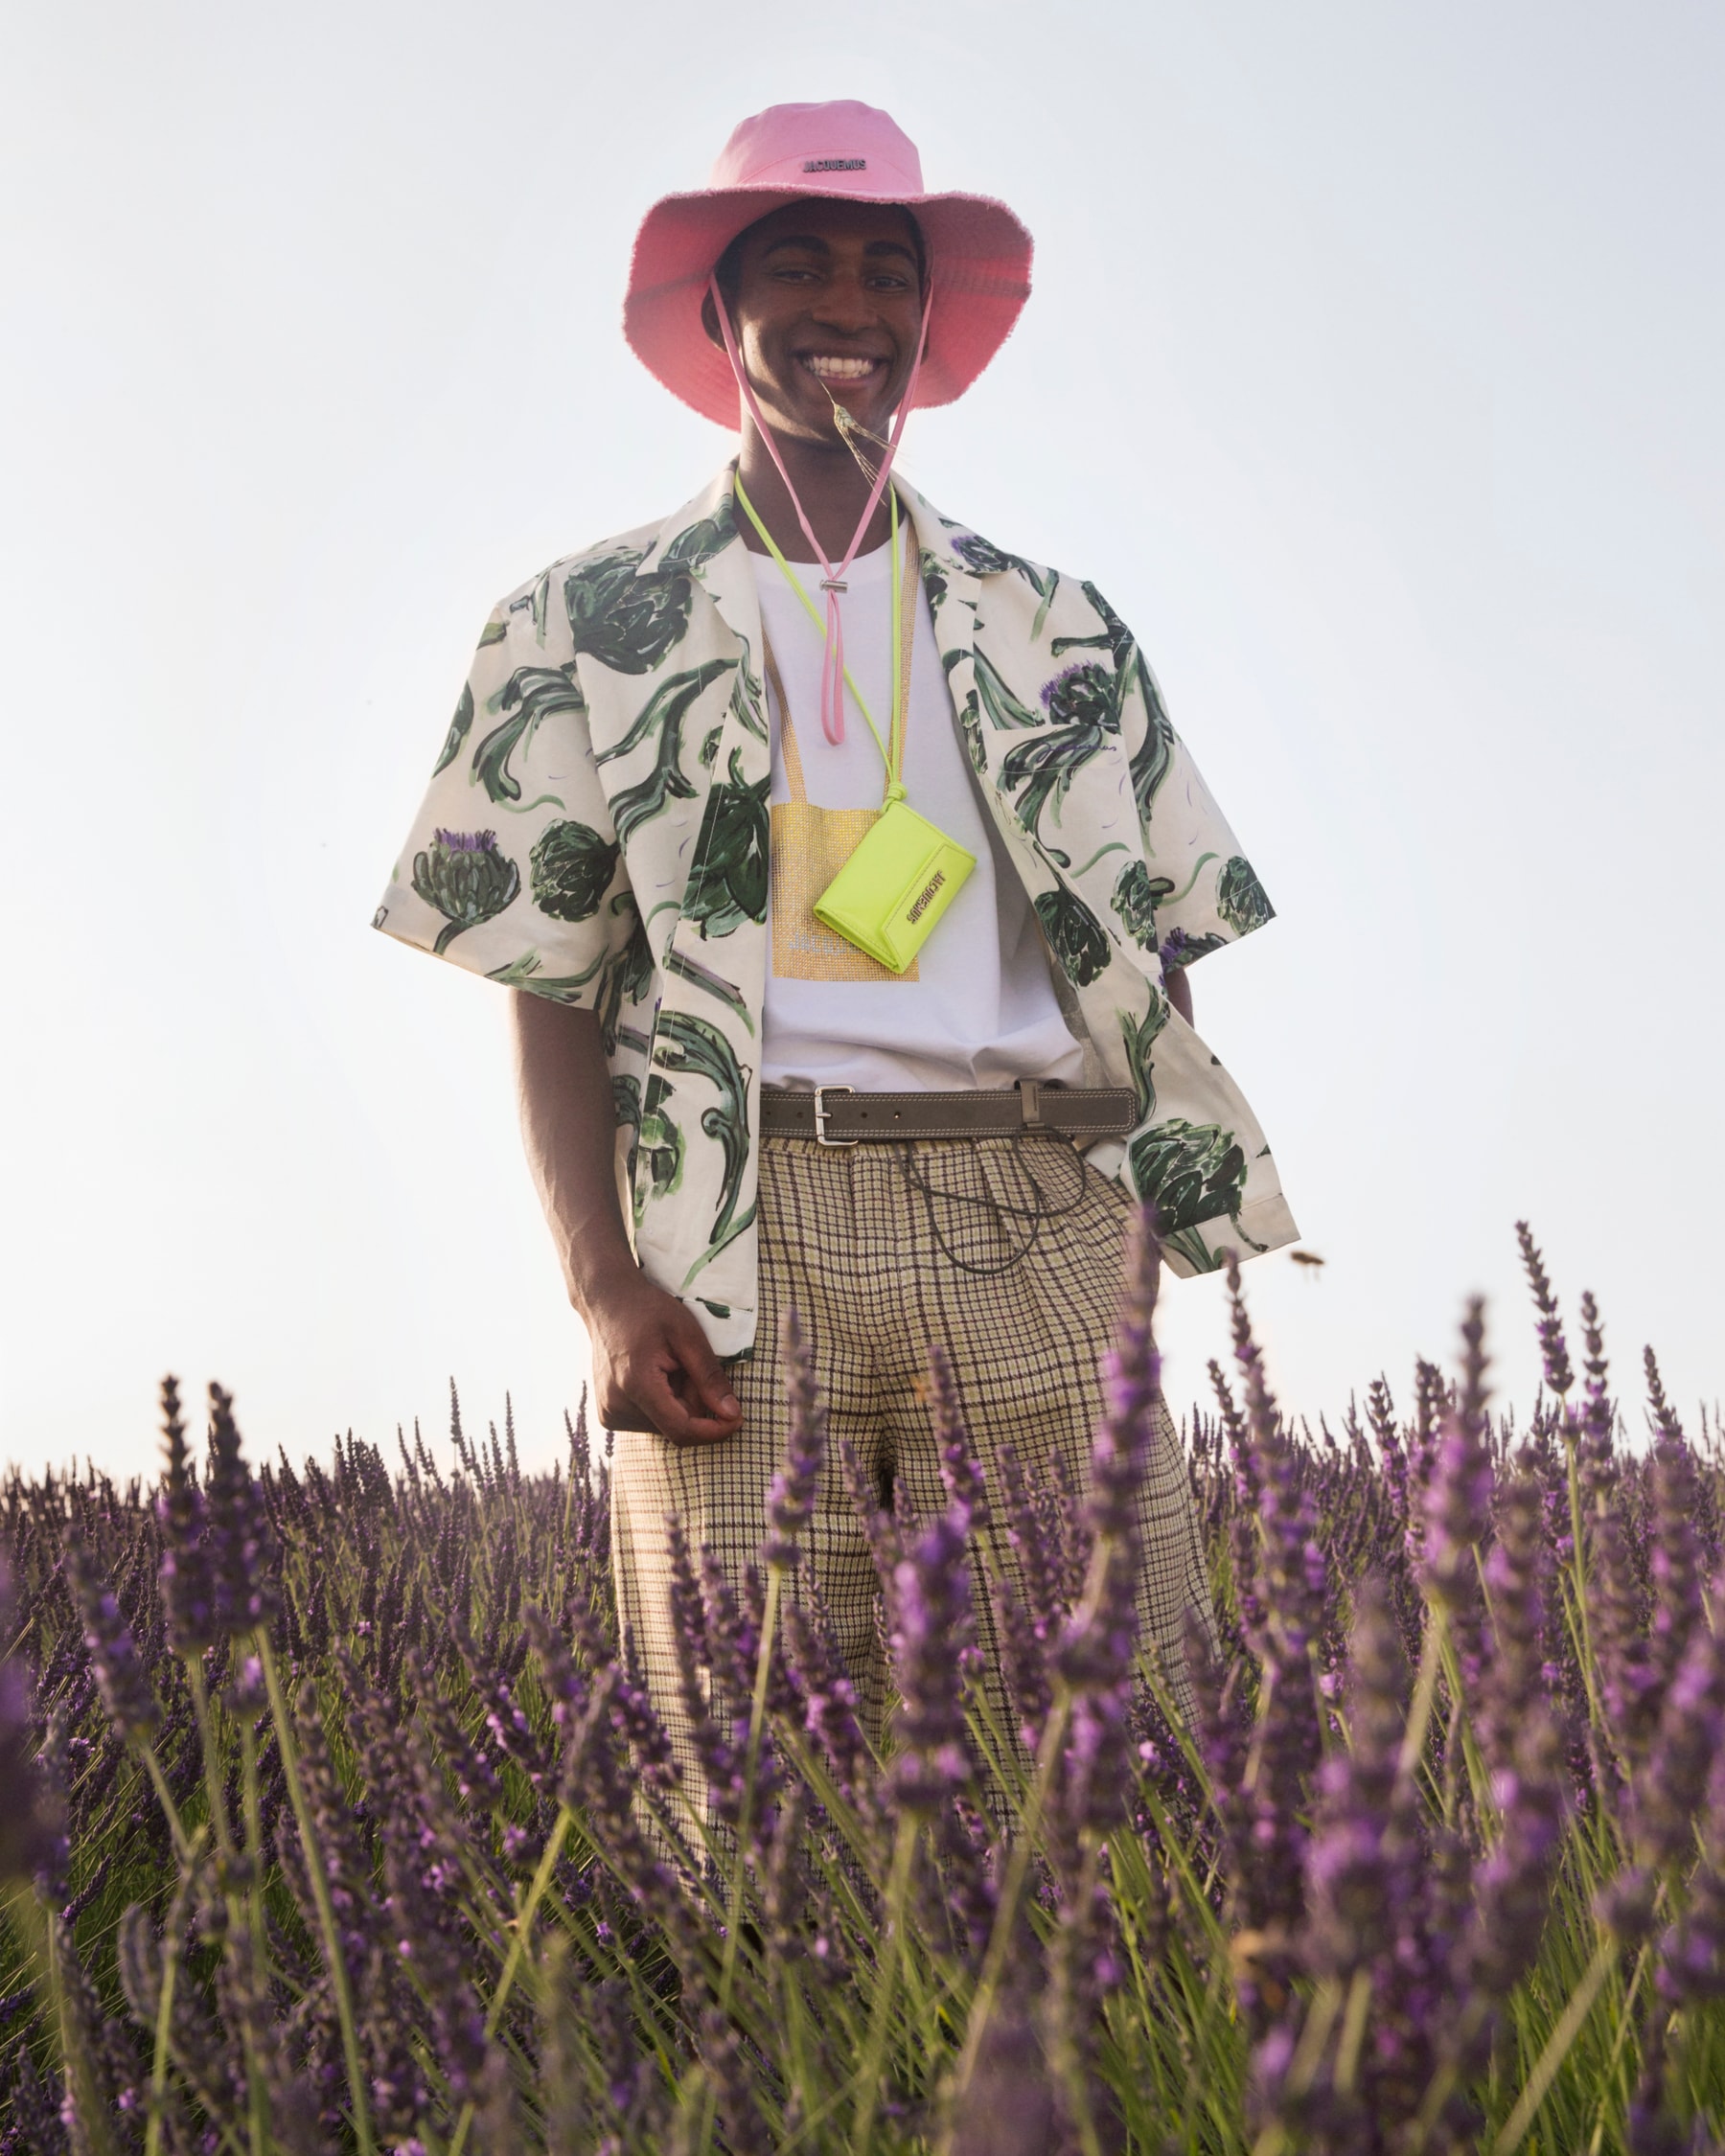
x=883 y=1250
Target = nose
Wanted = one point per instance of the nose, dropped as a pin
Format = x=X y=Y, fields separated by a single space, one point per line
x=846 y=304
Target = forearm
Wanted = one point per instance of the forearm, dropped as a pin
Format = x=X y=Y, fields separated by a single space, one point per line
x=569 y=1129
x=652 y=1367
x=1179 y=984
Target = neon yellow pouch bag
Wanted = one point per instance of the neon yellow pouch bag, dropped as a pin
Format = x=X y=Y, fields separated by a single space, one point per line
x=889 y=896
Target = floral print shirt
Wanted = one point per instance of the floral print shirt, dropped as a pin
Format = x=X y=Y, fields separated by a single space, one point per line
x=596 y=832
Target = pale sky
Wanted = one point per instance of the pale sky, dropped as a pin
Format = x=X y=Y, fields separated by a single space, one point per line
x=1372 y=371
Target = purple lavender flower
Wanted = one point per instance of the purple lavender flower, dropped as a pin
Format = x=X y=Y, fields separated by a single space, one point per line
x=1676 y=1555
x=791 y=1497
x=1670 y=1788
x=1523 y=1741
x=1553 y=1349
x=932 y=1630
x=830 y=1707
x=1691 y=1952
x=720 y=1756
x=1267 y=1892
x=1458 y=1499
x=28 y=1823
x=188 y=1586
x=242 y=1547
x=960 y=1470
x=1357 y=1876
x=125 y=1688
x=1097 y=1650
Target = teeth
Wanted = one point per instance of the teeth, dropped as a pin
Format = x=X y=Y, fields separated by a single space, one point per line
x=839 y=370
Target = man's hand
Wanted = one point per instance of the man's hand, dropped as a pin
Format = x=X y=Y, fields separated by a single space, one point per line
x=652 y=1367
x=655 y=1369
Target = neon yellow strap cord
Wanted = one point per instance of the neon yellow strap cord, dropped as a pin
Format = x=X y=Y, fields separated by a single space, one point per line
x=895 y=791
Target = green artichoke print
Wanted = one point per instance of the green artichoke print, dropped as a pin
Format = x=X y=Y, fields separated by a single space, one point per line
x=625 y=1102
x=727 y=885
x=1154 y=757
x=458 y=731
x=970 y=725
x=1190 y=1172
x=748 y=702
x=1081 y=703
x=532 y=695
x=682 y=1043
x=1003 y=708
x=696 y=547
x=1114 y=637
x=572 y=867
x=1138 y=1035
x=1074 y=934
x=1181 y=949
x=1137 y=895
x=626 y=620
x=627 y=977
x=934 y=577
x=659 y=1143
x=665 y=712
x=1241 y=899
x=463 y=877
x=984 y=560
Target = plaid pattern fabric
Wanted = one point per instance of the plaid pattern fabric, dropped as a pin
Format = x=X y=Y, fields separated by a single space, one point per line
x=876 y=1268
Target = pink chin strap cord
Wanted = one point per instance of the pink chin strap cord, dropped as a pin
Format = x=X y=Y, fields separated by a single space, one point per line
x=832 y=583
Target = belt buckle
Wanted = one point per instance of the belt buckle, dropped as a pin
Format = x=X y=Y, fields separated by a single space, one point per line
x=821 y=1115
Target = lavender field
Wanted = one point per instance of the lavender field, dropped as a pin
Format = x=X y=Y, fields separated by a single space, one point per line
x=335 y=1819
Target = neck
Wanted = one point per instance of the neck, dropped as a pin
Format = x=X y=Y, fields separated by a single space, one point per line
x=830 y=485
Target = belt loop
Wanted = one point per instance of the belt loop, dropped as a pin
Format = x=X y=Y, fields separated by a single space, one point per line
x=1030 y=1103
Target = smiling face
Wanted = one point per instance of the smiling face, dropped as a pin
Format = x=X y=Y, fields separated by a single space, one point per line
x=825 y=301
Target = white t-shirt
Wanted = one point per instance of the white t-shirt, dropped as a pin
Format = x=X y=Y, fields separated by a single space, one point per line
x=981 y=1010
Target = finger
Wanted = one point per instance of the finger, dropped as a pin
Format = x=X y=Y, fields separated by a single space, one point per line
x=673 y=1414
x=703 y=1372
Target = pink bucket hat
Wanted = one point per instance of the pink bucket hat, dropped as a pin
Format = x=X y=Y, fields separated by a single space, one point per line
x=979 y=253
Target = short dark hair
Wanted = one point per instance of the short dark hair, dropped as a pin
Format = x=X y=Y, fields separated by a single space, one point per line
x=729 y=268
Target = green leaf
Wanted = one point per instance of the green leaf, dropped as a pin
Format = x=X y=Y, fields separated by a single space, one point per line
x=704 y=977
x=635 y=804
x=532 y=695
x=457 y=733
x=524 y=973
x=1003 y=708
x=683 y=1043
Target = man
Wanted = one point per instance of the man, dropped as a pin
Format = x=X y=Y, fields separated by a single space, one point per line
x=630 y=831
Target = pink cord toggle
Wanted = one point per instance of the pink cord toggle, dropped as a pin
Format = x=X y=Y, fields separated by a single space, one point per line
x=831 y=669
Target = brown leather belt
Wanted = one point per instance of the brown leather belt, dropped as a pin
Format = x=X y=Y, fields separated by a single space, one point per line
x=838 y=1116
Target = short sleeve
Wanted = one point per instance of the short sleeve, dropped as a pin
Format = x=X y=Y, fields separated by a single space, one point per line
x=1203 y=890
x=512 y=866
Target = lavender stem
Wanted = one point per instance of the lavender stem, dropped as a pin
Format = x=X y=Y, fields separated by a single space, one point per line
x=318 y=1874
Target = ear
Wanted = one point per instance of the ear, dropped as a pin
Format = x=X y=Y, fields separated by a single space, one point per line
x=709 y=320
